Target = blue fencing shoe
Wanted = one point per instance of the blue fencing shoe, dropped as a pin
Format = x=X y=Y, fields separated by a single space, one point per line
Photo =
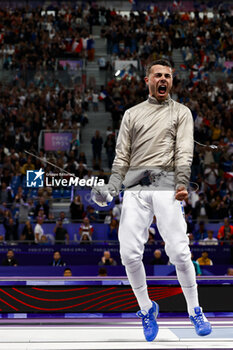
x=200 y=322
x=150 y=326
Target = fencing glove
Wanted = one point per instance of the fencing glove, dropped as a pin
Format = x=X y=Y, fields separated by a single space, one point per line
x=103 y=195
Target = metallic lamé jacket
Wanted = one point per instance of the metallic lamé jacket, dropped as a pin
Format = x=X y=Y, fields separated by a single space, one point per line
x=155 y=135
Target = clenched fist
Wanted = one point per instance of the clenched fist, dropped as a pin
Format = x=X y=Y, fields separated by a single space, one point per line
x=181 y=193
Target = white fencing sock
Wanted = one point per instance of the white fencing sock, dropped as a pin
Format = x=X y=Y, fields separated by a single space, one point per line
x=137 y=279
x=187 y=278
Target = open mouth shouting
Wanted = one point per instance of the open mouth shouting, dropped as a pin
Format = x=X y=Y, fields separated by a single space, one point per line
x=162 y=89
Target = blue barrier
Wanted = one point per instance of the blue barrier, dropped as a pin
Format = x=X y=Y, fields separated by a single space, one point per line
x=86 y=270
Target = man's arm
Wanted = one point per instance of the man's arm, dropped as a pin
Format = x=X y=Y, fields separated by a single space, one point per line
x=183 y=153
x=122 y=158
x=103 y=194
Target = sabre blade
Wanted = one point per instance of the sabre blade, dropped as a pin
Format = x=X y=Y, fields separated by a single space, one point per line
x=46 y=161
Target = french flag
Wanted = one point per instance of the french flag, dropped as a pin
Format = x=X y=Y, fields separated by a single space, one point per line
x=176 y=4
x=102 y=96
x=204 y=75
x=183 y=67
x=77 y=46
x=228 y=175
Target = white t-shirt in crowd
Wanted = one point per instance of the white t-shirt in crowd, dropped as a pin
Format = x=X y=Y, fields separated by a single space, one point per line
x=38 y=229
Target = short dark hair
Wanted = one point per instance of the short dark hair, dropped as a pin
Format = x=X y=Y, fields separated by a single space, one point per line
x=67 y=269
x=157 y=62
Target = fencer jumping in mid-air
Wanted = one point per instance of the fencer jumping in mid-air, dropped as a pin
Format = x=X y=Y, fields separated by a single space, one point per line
x=154 y=153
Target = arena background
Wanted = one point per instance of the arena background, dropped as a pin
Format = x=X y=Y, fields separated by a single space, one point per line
x=68 y=71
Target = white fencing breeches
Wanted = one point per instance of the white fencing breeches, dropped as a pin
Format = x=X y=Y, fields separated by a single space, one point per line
x=138 y=210
x=136 y=217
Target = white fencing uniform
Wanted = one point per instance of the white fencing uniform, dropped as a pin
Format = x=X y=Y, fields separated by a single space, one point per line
x=138 y=210
x=155 y=143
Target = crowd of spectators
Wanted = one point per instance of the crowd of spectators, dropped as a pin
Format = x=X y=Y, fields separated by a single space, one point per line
x=33 y=38
x=147 y=35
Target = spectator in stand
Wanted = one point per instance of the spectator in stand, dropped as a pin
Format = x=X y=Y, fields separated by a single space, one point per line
x=38 y=230
x=196 y=266
x=211 y=176
x=210 y=240
x=6 y=194
x=61 y=234
x=11 y=229
x=81 y=171
x=92 y=214
x=45 y=240
x=42 y=205
x=110 y=145
x=215 y=203
x=204 y=259
x=20 y=204
x=221 y=210
x=102 y=272
x=157 y=259
x=57 y=260
x=108 y=218
x=82 y=158
x=151 y=239
x=2 y=240
x=63 y=217
x=10 y=259
x=201 y=232
x=189 y=217
x=27 y=166
x=68 y=112
x=192 y=240
x=95 y=101
x=88 y=176
x=225 y=233
x=85 y=239
x=230 y=271
x=86 y=229
x=107 y=260
x=77 y=208
x=97 y=143
x=27 y=233
x=202 y=208
x=112 y=231
x=67 y=272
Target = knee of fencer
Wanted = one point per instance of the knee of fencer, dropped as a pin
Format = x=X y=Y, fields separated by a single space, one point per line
x=183 y=266
x=179 y=257
x=133 y=266
x=130 y=258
